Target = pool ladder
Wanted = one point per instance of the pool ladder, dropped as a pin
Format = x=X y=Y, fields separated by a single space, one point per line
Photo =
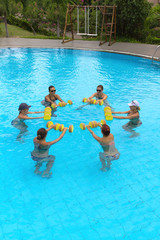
x=158 y=59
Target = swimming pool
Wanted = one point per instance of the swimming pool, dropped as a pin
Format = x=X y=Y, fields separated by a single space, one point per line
x=79 y=202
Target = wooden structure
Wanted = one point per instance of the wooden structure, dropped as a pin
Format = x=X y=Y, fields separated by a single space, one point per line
x=3 y=18
x=108 y=26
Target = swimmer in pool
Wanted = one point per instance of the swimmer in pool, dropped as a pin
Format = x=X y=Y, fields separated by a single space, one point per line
x=107 y=143
x=133 y=116
x=99 y=95
x=18 y=122
x=51 y=99
x=41 y=149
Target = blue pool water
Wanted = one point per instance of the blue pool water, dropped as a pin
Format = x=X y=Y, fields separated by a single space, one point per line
x=79 y=202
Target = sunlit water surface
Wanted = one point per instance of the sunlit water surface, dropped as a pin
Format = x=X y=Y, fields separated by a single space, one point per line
x=79 y=202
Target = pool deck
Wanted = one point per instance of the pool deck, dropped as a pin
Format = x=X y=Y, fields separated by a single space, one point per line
x=136 y=49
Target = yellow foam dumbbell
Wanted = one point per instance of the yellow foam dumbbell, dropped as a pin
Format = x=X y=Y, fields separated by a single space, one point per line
x=50 y=123
x=103 y=121
x=56 y=126
x=71 y=128
x=109 y=117
x=107 y=108
x=84 y=100
x=47 y=113
x=92 y=101
x=93 y=124
x=101 y=102
x=53 y=106
x=61 y=127
x=82 y=126
x=70 y=102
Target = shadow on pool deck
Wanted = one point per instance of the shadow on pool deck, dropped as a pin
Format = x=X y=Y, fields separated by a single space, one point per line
x=137 y=49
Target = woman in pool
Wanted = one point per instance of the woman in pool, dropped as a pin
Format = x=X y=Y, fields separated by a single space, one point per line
x=107 y=142
x=23 y=111
x=51 y=97
x=133 y=116
x=41 y=148
x=99 y=95
x=18 y=122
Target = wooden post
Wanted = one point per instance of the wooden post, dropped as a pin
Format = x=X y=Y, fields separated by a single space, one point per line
x=65 y=27
x=115 y=24
x=6 y=27
x=71 y=26
x=103 y=12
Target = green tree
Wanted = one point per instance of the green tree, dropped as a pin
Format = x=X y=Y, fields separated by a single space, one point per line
x=4 y=7
x=56 y=12
x=131 y=16
x=4 y=10
x=153 y=20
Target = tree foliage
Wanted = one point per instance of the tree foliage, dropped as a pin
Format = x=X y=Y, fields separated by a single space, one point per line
x=49 y=15
x=131 y=16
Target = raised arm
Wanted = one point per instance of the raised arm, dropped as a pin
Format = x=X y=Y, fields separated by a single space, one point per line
x=92 y=96
x=93 y=134
x=59 y=138
x=51 y=127
x=58 y=97
x=26 y=117
x=105 y=97
x=35 y=112
x=121 y=112
x=128 y=117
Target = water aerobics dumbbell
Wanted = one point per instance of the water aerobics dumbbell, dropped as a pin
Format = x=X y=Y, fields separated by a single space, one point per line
x=59 y=126
x=93 y=101
x=62 y=104
x=108 y=113
x=92 y=124
x=47 y=113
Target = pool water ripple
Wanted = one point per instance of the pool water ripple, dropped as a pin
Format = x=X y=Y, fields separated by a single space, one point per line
x=79 y=202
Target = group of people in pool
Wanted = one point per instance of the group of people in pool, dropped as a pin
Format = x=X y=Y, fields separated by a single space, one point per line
x=40 y=154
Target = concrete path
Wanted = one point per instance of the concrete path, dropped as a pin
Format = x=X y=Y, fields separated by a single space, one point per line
x=142 y=50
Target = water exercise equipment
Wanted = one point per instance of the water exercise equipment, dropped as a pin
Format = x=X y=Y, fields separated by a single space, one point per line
x=50 y=123
x=108 y=113
x=47 y=113
x=93 y=101
x=92 y=124
x=62 y=104
x=103 y=121
x=59 y=126
x=107 y=108
x=101 y=102
x=84 y=100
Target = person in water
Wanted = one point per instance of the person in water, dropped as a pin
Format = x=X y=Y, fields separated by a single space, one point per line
x=99 y=95
x=133 y=116
x=41 y=149
x=19 y=123
x=107 y=142
x=51 y=99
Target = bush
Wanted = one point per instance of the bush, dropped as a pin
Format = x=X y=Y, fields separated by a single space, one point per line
x=26 y=25
x=131 y=16
x=153 y=40
x=19 y=22
x=153 y=20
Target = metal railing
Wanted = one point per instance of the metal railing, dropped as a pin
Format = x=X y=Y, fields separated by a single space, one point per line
x=155 y=53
